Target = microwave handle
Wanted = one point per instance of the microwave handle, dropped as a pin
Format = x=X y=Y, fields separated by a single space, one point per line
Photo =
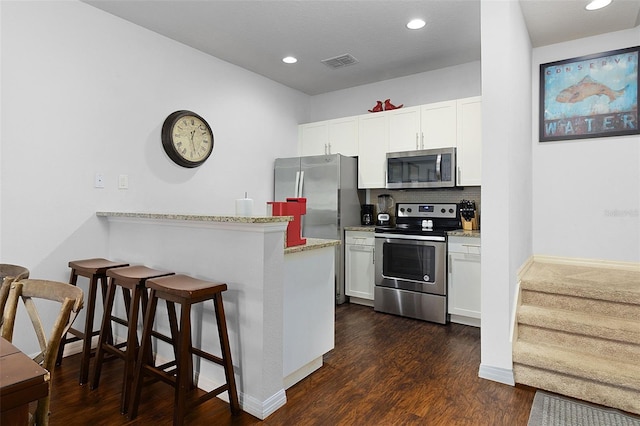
x=439 y=167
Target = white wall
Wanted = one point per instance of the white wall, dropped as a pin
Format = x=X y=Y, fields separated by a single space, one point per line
x=459 y=81
x=586 y=193
x=506 y=176
x=85 y=92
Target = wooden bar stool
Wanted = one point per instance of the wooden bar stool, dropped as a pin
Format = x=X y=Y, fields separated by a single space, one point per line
x=132 y=280
x=95 y=270
x=185 y=291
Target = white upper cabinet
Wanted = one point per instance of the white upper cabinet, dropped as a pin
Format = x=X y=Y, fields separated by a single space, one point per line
x=438 y=125
x=339 y=136
x=374 y=144
x=404 y=129
x=456 y=123
x=469 y=152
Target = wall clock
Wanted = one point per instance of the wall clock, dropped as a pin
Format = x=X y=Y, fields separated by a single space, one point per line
x=187 y=138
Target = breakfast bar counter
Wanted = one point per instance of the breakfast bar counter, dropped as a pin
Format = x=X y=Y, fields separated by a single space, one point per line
x=279 y=304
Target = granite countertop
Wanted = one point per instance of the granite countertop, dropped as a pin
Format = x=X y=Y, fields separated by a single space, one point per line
x=200 y=218
x=312 y=244
x=366 y=228
x=464 y=233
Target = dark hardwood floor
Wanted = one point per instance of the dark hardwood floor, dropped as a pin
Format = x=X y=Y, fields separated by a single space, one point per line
x=384 y=370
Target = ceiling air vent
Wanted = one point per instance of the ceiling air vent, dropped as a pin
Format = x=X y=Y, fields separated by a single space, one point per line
x=340 y=61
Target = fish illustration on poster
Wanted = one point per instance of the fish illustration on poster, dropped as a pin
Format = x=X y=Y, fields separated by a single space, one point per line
x=590 y=96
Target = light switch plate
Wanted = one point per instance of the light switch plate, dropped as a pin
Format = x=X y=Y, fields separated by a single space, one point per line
x=123 y=182
x=99 y=181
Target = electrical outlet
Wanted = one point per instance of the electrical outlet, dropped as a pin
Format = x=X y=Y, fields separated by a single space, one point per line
x=99 y=181
x=123 y=182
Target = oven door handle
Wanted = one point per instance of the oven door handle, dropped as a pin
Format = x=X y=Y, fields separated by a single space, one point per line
x=410 y=280
x=412 y=237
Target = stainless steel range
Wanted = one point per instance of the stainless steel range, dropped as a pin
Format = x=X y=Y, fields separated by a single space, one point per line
x=411 y=261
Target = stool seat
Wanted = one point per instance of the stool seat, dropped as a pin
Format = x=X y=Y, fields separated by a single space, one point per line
x=95 y=270
x=130 y=276
x=186 y=287
x=132 y=281
x=98 y=265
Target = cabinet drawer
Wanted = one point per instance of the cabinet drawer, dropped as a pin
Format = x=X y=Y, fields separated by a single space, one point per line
x=467 y=245
x=359 y=238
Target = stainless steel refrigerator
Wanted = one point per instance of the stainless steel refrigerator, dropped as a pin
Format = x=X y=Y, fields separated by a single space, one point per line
x=330 y=185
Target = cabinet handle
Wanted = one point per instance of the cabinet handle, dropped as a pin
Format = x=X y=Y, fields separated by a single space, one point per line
x=421 y=140
x=417 y=145
x=449 y=269
x=373 y=256
x=329 y=148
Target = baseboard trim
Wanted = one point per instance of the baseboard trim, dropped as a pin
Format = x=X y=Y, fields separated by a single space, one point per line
x=496 y=374
x=262 y=409
x=575 y=261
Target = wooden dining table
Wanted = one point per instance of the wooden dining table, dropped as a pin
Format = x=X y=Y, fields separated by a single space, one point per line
x=21 y=381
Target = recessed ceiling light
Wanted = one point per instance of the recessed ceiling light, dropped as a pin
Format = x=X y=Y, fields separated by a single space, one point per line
x=416 y=24
x=598 y=4
x=289 y=60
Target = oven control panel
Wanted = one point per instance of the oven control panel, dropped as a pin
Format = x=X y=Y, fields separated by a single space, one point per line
x=438 y=211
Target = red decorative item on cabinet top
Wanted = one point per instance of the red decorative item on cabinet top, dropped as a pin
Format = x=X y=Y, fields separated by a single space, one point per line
x=377 y=108
x=388 y=106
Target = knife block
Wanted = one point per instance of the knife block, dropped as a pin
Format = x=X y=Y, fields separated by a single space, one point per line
x=472 y=224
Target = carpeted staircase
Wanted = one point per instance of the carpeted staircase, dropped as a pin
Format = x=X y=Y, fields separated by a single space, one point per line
x=577 y=331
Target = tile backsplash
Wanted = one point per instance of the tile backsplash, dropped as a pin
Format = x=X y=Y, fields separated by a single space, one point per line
x=471 y=193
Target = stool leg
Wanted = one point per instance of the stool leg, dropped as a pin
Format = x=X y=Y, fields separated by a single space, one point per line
x=226 y=353
x=88 y=331
x=145 y=346
x=105 y=334
x=131 y=351
x=73 y=279
x=104 y=284
x=183 y=381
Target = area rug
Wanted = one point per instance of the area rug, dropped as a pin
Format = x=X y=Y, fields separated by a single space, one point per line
x=554 y=410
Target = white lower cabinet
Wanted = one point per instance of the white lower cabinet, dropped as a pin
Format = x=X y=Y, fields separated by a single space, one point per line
x=464 y=280
x=359 y=266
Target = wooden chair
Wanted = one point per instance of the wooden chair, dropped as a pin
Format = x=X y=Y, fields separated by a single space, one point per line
x=11 y=273
x=15 y=271
x=70 y=298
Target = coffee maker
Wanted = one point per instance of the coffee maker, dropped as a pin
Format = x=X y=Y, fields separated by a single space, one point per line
x=385 y=208
x=366 y=214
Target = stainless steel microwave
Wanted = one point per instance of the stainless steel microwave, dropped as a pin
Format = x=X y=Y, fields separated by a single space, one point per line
x=428 y=168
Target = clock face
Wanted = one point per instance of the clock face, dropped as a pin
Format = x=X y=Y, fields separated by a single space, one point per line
x=187 y=138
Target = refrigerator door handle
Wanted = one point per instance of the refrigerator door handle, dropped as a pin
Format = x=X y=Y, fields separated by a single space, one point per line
x=301 y=185
x=295 y=194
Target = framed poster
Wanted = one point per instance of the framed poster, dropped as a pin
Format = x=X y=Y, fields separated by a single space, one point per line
x=590 y=97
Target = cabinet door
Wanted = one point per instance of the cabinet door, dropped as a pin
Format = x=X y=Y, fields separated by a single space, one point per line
x=464 y=284
x=359 y=278
x=343 y=136
x=373 y=141
x=438 y=124
x=313 y=138
x=404 y=129
x=469 y=141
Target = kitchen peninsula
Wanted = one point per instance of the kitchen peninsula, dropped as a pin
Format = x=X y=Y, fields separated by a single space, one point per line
x=279 y=304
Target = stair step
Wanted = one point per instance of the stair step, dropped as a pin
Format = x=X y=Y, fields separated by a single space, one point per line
x=568 y=362
x=596 y=346
x=587 y=324
x=601 y=283
x=580 y=304
x=578 y=387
